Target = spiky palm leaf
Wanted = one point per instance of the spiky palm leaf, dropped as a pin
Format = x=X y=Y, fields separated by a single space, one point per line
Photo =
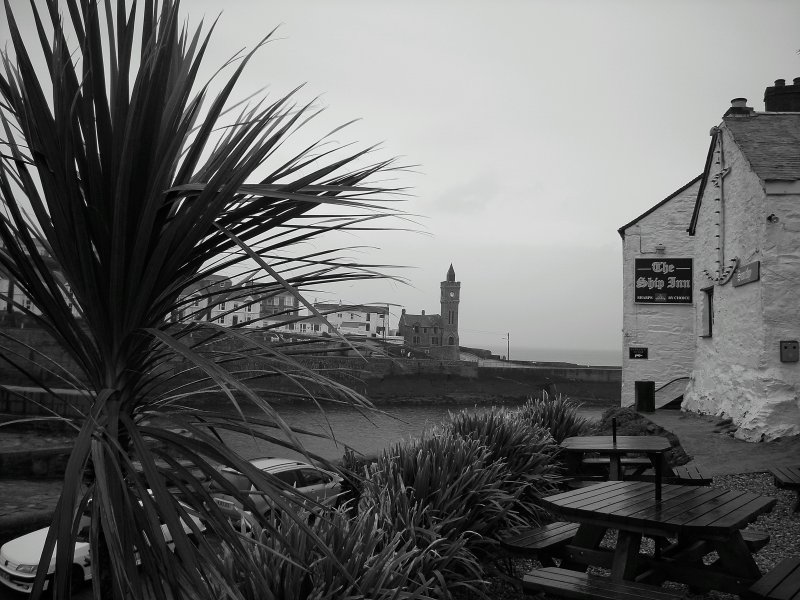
x=123 y=184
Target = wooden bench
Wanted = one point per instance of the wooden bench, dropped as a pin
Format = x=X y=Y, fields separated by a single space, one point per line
x=755 y=539
x=781 y=583
x=687 y=475
x=788 y=478
x=574 y=584
x=544 y=543
x=638 y=464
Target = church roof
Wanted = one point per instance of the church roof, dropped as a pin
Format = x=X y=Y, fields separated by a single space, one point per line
x=451 y=273
x=421 y=320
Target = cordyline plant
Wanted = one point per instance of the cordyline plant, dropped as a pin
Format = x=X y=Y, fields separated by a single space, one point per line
x=123 y=184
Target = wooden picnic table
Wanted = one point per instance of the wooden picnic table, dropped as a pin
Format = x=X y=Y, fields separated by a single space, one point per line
x=616 y=448
x=700 y=519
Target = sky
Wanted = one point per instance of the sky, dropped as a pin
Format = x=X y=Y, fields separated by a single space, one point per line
x=539 y=128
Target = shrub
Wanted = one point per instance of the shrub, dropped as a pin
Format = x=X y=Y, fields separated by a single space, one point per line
x=559 y=416
x=527 y=452
x=455 y=479
x=365 y=560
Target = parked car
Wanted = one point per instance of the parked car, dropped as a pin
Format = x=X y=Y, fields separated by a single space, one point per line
x=313 y=482
x=19 y=558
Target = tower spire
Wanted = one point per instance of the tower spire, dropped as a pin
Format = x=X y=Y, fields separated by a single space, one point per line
x=451 y=273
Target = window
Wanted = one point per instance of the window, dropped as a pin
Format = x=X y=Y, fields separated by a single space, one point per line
x=367 y=326
x=302 y=326
x=235 y=306
x=435 y=330
x=234 y=320
x=339 y=315
x=450 y=317
x=316 y=327
x=451 y=341
x=290 y=326
x=707 y=312
x=435 y=341
x=221 y=320
x=416 y=328
x=222 y=306
x=424 y=330
x=291 y=477
x=352 y=316
x=249 y=308
x=415 y=340
x=197 y=302
x=314 y=477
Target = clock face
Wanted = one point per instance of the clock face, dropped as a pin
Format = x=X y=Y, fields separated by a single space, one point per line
x=452 y=294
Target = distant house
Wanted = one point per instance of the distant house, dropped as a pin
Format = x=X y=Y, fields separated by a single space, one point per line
x=356 y=319
x=239 y=308
x=435 y=335
x=745 y=225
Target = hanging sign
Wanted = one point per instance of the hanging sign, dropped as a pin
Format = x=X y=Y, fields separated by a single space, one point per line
x=663 y=280
x=747 y=273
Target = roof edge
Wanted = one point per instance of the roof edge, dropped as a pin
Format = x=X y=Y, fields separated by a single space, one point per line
x=683 y=188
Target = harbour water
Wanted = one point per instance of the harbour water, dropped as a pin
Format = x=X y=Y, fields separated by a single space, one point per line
x=366 y=432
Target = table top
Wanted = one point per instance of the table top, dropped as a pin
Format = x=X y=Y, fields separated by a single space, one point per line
x=624 y=444
x=631 y=505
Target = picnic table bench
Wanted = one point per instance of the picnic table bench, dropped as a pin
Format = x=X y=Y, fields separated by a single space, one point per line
x=575 y=584
x=544 y=543
x=699 y=519
x=781 y=583
x=788 y=478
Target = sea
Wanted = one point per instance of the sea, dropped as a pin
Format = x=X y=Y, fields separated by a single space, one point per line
x=366 y=432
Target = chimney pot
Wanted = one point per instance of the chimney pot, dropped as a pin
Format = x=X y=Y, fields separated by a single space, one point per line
x=423 y=313
x=739 y=102
x=782 y=97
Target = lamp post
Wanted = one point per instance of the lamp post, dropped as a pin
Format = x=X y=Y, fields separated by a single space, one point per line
x=508 y=346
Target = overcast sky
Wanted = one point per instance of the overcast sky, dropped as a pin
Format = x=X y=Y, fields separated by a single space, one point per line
x=540 y=128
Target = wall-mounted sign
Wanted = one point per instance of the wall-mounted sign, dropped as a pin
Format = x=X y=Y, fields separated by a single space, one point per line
x=637 y=352
x=663 y=280
x=747 y=273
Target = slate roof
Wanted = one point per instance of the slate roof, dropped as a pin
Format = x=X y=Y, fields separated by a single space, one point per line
x=422 y=320
x=771 y=142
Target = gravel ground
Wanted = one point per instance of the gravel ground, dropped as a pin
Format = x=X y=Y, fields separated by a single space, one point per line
x=782 y=525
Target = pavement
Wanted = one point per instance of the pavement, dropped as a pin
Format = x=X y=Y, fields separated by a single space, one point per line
x=711 y=444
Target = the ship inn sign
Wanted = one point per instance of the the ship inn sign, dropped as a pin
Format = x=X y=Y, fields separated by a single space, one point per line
x=663 y=280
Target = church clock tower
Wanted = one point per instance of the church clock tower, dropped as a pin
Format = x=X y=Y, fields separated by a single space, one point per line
x=451 y=294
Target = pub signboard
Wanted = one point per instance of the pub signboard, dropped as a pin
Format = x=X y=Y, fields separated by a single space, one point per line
x=747 y=273
x=663 y=280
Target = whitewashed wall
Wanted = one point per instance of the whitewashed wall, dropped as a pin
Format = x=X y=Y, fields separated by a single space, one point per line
x=666 y=330
x=738 y=373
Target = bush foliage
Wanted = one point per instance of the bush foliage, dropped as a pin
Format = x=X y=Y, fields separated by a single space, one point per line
x=558 y=415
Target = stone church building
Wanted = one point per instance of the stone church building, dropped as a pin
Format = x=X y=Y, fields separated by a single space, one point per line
x=435 y=335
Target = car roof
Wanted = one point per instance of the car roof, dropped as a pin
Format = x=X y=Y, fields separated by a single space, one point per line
x=271 y=463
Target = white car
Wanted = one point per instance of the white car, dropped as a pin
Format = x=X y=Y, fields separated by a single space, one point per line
x=19 y=558
x=311 y=481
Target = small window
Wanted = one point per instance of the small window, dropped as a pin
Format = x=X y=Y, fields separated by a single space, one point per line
x=234 y=320
x=222 y=306
x=435 y=330
x=707 y=312
x=424 y=330
x=415 y=340
x=416 y=328
x=435 y=341
x=451 y=341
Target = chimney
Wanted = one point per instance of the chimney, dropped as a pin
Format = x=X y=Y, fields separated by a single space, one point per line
x=783 y=98
x=739 y=108
x=423 y=313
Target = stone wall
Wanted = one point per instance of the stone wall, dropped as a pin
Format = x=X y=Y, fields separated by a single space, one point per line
x=738 y=372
